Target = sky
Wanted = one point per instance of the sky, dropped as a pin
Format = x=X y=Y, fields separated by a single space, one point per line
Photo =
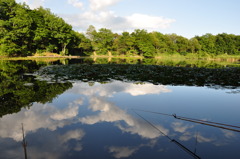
x=187 y=18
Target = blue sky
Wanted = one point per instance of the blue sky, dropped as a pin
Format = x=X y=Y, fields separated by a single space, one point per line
x=183 y=17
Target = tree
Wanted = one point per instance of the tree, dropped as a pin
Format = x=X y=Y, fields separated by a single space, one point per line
x=25 y=31
x=54 y=31
x=182 y=45
x=16 y=29
x=84 y=44
x=103 y=41
x=207 y=43
x=172 y=43
x=91 y=32
x=194 y=45
x=225 y=44
x=143 y=43
x=125 y=44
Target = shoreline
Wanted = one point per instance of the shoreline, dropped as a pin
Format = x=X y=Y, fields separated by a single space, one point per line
x=229 y=58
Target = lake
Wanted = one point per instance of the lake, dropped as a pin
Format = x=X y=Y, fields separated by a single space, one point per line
x=86 y=108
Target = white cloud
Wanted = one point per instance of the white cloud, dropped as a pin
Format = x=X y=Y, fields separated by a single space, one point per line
x=108 y=19
x=127 y=151
x=143 y=21
x=186 y=136
x=180 y=127
x=120 y=152
x=70 y=112
x=60 y=142
x=97 y=5
x=202 y=139
x=32 y=3
x=228 y=134
x=73 y=134
x=76 y=3
x=136 y=90
x=110 y=89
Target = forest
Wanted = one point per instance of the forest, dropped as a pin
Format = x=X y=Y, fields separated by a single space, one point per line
x=25 y=32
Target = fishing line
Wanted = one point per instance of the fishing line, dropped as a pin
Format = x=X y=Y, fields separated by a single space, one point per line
x=172 y=140
x=204 y=122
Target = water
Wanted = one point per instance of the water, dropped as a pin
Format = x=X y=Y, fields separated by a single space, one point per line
x=110 y=119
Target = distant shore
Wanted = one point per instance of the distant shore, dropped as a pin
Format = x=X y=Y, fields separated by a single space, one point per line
x=49 y=56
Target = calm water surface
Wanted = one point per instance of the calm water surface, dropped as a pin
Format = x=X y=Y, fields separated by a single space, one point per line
x=111 y=120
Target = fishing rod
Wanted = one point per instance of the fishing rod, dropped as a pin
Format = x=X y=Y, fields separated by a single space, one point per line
x=172 y=140
x=204 y=122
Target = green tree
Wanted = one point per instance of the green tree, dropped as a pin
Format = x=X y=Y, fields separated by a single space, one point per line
x=182 y=45
x=84 y=44
x=194 y=45
x=16 y=30
x=125 y=44
x=207 y=43
x=25 y=31
x=225 y=44
x=171 y=40
x=57 y=34
x=103 y=41
x=143 y=43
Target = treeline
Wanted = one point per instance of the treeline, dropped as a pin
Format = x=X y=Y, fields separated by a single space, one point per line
x=152 y=44
x=24 y=32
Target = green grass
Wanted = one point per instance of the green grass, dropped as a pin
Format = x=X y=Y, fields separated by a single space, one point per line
x=203 y=56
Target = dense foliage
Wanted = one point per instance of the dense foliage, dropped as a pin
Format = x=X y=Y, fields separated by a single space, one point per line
x=152 y=44
x=24 y=32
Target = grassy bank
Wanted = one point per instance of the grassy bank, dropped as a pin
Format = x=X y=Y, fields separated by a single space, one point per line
x=191 y=60
x=203 y=56
x=45 y=57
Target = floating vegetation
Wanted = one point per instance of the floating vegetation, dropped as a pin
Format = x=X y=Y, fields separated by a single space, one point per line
x=215 y=78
